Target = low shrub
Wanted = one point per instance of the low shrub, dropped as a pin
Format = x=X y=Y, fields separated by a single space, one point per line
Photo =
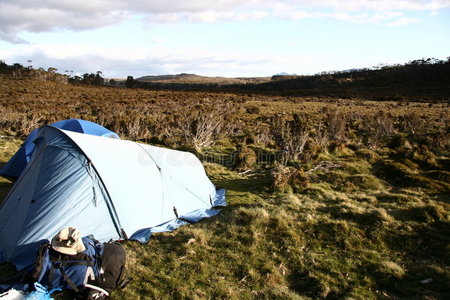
x=288 y=179
x=246 y=158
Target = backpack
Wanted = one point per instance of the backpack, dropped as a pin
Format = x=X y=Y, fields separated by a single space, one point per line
x=113 y=272
x=91 y=274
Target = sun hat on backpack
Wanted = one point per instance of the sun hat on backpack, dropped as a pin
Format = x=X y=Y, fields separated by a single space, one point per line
x=68 y=241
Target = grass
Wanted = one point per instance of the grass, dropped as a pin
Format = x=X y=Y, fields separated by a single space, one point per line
x=377 y=241
x=374 y=241
x=371 y=240
x=359 y=221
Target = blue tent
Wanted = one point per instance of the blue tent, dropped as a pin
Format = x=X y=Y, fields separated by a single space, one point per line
x=14 y=167
x=110 y=188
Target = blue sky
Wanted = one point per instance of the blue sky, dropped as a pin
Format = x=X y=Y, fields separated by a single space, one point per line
x=221 y=37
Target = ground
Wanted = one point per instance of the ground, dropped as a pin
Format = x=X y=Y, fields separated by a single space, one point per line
x=361 y=212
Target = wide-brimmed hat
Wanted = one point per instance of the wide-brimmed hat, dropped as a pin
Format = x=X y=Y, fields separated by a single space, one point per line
x=68 y=241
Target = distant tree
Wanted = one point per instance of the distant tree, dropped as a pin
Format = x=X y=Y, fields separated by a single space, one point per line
x=99 y=80
x=4 y=68
x=130 y=82
x=17 y=66
x=76 y=79
x=94 y=79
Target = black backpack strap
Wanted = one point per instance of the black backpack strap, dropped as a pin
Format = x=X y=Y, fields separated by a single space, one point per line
x=59 y=264
x=51 y=274
x=67 y=279
x=37 y=271
x=78 y=263
x=101 y=272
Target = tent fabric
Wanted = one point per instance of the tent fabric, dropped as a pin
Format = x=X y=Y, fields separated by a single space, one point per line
x=144 y=235
x=109 y=188
x=14 y=167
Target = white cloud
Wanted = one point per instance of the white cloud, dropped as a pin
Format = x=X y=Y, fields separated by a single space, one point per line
x=213 y=16
x=145 y=61
x=46 y=15
x=403 y=22
x=159 y=59
x=387 y=18
x=372 y=5
x=209 y=16
x=15 y=18
x=377 y=18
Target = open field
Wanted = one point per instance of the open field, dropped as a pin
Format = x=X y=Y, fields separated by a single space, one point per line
x=418 y=80
x=192 y=78
x=328 y=198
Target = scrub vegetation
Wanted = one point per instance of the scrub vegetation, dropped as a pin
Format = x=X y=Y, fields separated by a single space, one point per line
x=328 y=198
x=418 y=80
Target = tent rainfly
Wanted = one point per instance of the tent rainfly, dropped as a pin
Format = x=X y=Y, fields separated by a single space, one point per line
x=110 y=188
x=14 y=167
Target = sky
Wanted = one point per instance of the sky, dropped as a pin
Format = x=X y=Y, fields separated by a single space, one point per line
x=230 y=38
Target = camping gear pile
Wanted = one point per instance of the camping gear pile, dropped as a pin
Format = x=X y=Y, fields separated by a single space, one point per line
x=107 y=188
x=84 y=265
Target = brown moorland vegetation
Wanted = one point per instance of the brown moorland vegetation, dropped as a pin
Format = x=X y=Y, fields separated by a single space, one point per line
x=328 y=197
x=417 y=80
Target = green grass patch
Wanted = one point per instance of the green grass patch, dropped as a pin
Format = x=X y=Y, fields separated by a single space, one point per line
x=358 y=229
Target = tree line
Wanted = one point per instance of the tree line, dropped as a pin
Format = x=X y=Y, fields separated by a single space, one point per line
x=19 y=71
x=423 y=79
